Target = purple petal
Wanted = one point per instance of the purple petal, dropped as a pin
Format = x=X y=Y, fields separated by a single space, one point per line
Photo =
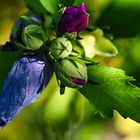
x=82 y=6
x=78 y=81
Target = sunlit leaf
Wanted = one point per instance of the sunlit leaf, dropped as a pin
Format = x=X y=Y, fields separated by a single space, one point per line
x=50 y=5
x=109 y=89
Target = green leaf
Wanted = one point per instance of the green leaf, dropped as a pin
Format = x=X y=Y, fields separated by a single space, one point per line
x=50 y=5
x=33 y=37
x=109 y=89
x=35 y=5
x=6 y=61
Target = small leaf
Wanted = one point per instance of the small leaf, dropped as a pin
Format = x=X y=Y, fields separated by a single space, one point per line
x=33 y=37
x=113 y=92
x=86 y=61
x=50 y=5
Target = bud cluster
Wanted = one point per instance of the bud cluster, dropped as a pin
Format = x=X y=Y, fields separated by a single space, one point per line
x=37 y=43
x=70 y=73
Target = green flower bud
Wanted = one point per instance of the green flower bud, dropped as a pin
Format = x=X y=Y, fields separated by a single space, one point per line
x=33 y=37
x=61 y=47
x=71 y=73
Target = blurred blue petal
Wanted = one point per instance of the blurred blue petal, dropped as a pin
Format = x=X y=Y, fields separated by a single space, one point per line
x=26 y=80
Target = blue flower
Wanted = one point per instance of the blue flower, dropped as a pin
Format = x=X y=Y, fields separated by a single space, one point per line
x=26 y=80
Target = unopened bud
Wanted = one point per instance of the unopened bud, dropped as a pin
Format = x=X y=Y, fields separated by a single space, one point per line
x=61 y=47
x=72 y=73
x=74 y=19
x=21 y=23
x=33 y=37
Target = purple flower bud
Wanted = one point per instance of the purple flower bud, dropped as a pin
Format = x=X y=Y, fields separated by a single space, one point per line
x=74 y=19
x=26 y=80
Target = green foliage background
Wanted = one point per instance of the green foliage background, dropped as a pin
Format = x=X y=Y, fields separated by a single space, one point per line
x=71 y=117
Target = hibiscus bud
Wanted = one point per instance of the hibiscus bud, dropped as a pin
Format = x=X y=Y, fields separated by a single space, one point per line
x=21 y=23
x=71 y=73
x=26 y=80
x=74 y=19
x=33 y=37
x=61 y=47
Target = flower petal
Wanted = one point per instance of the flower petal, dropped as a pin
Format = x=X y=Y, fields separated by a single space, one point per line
x=26 y=80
